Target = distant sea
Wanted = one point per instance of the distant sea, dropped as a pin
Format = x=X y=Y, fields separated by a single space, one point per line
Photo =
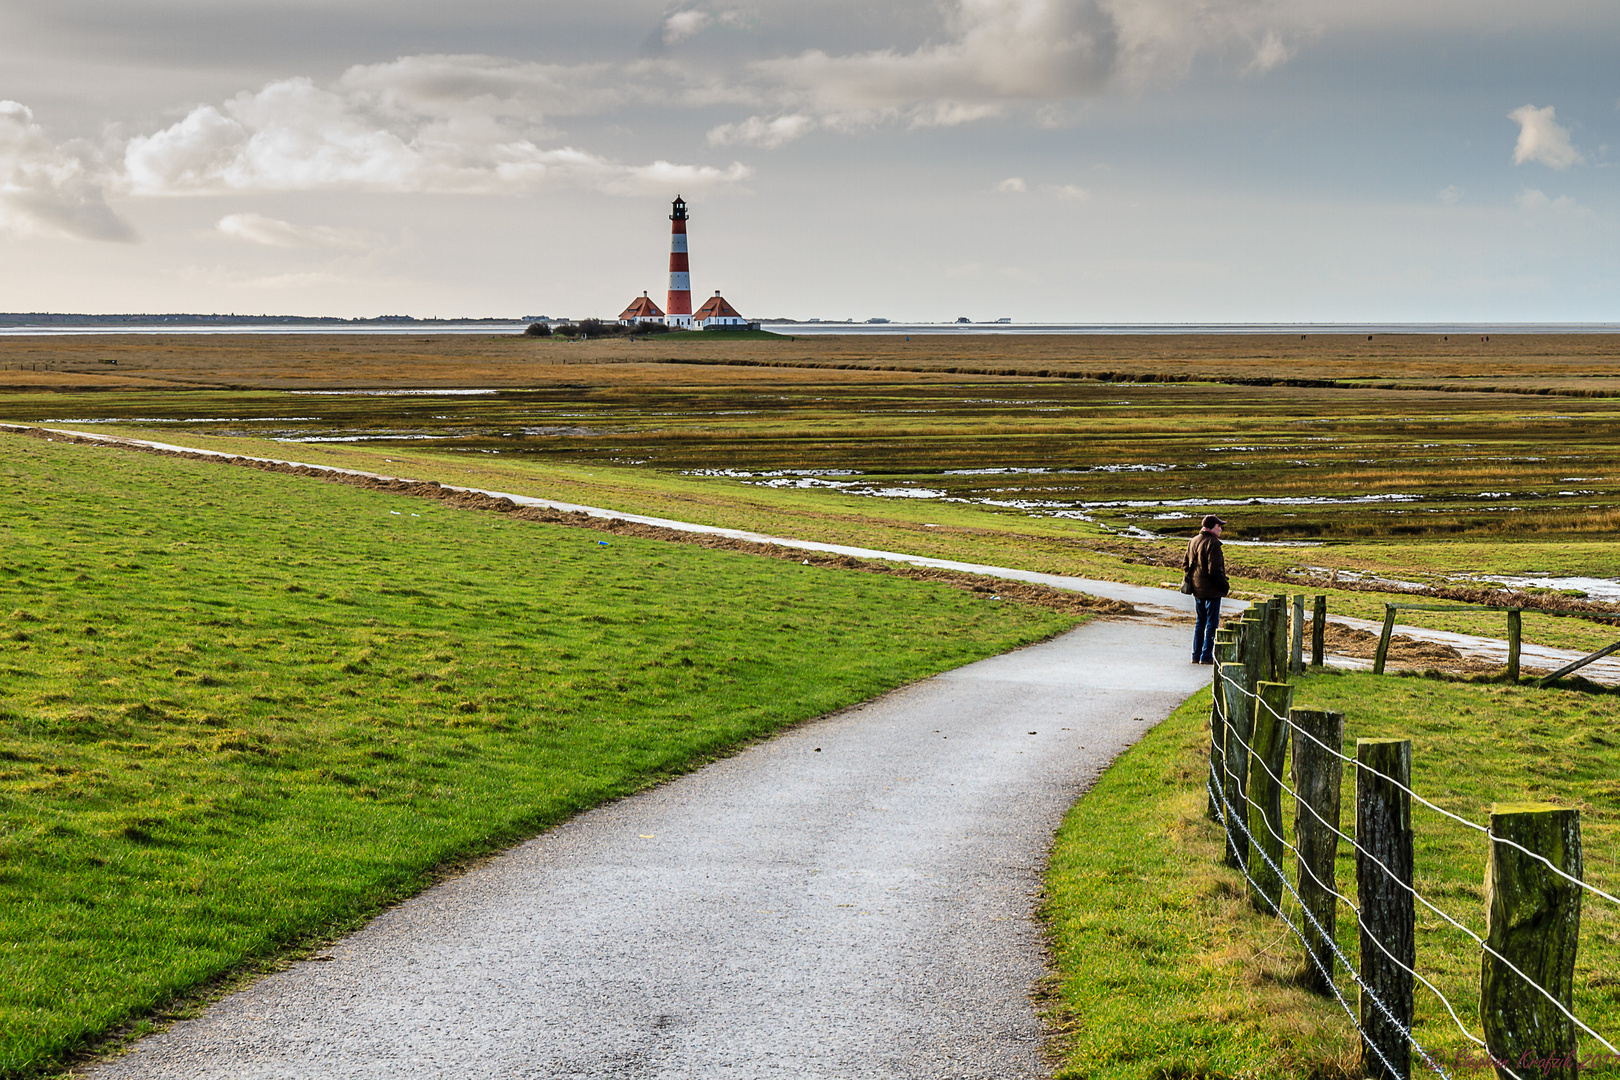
x=18 y=325
x=1190 y=328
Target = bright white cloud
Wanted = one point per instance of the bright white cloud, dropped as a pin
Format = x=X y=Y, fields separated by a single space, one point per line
x=268 y=231
x=1542 y=139
x=420 y=124
x=50 y=190
x=1013 y=185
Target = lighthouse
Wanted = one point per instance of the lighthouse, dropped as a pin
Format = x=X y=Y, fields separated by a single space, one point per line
x=679 y=307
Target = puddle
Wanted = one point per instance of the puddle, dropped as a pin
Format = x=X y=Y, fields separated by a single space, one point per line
x=364 y=438
x=1276 y=500
x=196 y=420
x=400 y=393
x=1606 y=590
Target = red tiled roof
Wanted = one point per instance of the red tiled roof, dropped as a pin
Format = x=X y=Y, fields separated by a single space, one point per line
x=716 y=306
x=642 y=307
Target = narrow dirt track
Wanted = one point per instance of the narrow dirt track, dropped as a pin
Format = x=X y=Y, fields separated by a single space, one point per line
x=854 y=898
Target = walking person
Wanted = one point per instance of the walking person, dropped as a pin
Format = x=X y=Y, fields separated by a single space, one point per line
x=1205 y=568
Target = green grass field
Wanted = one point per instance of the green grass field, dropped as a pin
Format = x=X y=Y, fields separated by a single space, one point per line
x=1165 y=971
x=442 y=677
x=242 y=711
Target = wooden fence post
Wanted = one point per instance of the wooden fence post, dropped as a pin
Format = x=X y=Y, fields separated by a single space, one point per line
x=1514 y=620
x=1277 y=662
x=1533 y=920
x=1318 y=772
x=1253 y=650
x=1318 y=630
x=1235 y=758
x=1264 y=809
x=1225 y=653
x=1383 y=640
x=1296 y=654
x=1384 y=834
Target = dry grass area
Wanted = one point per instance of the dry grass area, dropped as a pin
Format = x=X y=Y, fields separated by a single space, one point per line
x=1525 y=362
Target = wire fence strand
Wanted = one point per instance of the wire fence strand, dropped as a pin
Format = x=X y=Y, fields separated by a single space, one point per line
x=1228 y=817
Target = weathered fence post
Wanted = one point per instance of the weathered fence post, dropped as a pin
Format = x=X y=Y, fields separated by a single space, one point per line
x=1264 y=812
x=1296 y=662
x=1254 y=648
x=1225 y=653
x=1317 y=773
x=1277 y=624
x=1514 y=621
x=1384 y=834
x=1235 y=680
x=1533 y=920
x=1383 y=640
x=1318 y=630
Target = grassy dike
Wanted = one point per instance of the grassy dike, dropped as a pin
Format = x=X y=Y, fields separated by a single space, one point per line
x=242 y=711
x=1163 y=969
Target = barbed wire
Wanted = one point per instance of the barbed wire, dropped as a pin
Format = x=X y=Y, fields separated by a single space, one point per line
x=1228 y=818
x=1484 y=946
x=1476 y=826
x=1304 y=865
x=1443 y=915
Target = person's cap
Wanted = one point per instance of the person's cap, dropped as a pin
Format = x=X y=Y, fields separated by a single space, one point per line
x=1210 y=521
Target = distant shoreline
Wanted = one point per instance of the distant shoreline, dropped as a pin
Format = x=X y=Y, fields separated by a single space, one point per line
x=27 y=324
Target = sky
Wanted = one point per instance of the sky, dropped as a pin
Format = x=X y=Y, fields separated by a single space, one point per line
x=1099 y=161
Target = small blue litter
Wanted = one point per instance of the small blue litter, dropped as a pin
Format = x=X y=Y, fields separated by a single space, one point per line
x=602 y=543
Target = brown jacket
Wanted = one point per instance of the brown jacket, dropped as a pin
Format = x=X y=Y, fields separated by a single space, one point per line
x=1207 y=565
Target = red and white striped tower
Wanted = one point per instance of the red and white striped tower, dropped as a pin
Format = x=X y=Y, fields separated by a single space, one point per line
x=678 y=312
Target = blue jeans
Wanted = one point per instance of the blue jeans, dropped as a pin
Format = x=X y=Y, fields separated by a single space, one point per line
x=1209 y=617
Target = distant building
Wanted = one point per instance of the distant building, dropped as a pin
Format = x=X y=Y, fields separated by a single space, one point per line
x=716 y=313
x=641 y=310
x=680 y=274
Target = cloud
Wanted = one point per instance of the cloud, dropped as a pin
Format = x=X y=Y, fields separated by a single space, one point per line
x=1451 y=194
x=1535 y=199
x=685 y=24
x=1272 y=52
x=438 y=124
x=51 y=190
x=758 y=131
x=1003 y=54
x=1013 y=185
x=1542 y=139
x=258 y=229
x=692 y=21
x=1068 y=191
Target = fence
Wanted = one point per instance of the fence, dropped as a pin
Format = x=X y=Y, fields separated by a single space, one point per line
x=1514 y=627
x=1534 y=887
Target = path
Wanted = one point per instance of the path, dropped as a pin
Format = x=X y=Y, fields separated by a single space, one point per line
x=854 y=898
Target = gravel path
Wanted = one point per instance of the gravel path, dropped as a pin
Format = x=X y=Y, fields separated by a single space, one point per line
x=853 y=898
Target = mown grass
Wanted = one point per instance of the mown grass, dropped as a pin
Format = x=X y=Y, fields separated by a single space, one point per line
x=242 y=711
x=1165 y=971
